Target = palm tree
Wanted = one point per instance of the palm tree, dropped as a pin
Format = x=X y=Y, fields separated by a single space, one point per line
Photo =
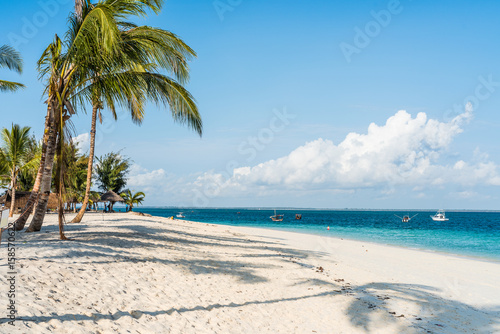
x=11 y=59
x=131 y=199
x=111 y=172
x=75 y=165
x=14 y=155
x=96 y=28
x=96 y=44
x=64 y=72
x=32 y=200
x=26 y=177
x=134 y=79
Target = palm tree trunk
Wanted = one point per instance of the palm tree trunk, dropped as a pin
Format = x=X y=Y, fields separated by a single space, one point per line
x=60 y=185
x=41 y=207
x=80 y=214
x=28 y=208
x=78 y=9
x=12 y=192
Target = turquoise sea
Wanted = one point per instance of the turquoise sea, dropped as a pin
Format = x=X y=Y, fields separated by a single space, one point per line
x=474 y=234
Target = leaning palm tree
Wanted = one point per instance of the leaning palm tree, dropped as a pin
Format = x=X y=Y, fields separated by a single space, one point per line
x=135 y=78
x=14 y=156
x=62 y=68
x=96 y=46
x=132 y=199
x=21 y=220
x=11 y=59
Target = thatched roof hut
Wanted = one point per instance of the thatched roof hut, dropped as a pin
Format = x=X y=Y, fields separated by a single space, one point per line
x=22 y=197
x=111 y=196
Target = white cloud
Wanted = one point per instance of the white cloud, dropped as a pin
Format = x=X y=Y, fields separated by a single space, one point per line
x=405 y=151
x=467 y=194
x=160 y=187
x=405 y=155
x=82 y=142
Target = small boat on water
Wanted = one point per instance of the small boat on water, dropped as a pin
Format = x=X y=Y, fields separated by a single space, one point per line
x=277 y=218
x=179 y=215
x=439 y=216
x=406 y=218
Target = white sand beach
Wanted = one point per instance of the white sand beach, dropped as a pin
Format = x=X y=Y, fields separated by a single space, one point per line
x=123 y=273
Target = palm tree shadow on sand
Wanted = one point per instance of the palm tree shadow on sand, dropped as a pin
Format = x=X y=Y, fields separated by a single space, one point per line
x=423 y=308
x=430 y=314
x=410 y=307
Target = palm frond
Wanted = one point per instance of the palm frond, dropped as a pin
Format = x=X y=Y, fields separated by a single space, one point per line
x=8 y=86
x=10 y=58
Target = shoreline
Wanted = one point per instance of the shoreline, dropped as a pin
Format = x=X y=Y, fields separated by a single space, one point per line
x=417 y=235
x=426 y=250
x=153 y=274
x=317 y=209
x=483 y=258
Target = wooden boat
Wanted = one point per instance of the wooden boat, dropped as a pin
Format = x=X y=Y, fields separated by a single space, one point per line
x=406 y=218
x=277 y=218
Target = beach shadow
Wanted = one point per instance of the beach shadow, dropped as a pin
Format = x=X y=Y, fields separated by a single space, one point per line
x=70 y=317
x=435 y=315
x=427 y=312
x=116 y=246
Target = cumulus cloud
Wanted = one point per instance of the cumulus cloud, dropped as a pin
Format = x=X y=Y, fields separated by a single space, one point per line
x=410 y=153
x=160 y=187
x=405 y=151
x=82 y=142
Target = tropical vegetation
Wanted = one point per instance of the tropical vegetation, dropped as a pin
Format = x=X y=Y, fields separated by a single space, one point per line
x=15 y=157
x=108 y=62
x=111 y=172
x=132 y=199
x=11 y=59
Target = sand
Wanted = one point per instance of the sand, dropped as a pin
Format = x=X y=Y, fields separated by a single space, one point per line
x=123 y=273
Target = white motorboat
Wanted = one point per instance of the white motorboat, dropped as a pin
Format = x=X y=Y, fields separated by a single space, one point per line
x=439 y=216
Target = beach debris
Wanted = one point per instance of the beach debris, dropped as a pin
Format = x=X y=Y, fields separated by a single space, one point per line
x=383 y=297
x=319 y=270
x=136 y=314
x=339 y=280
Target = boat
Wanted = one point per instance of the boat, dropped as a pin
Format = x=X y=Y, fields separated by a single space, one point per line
x=406 y=218
x=439 y=216
x=179 y=215
x=277 y=218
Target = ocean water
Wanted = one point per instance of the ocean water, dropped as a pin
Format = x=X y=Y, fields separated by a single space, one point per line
x=475 y=234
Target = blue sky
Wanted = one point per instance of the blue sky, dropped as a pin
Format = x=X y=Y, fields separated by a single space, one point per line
x=287 y=110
